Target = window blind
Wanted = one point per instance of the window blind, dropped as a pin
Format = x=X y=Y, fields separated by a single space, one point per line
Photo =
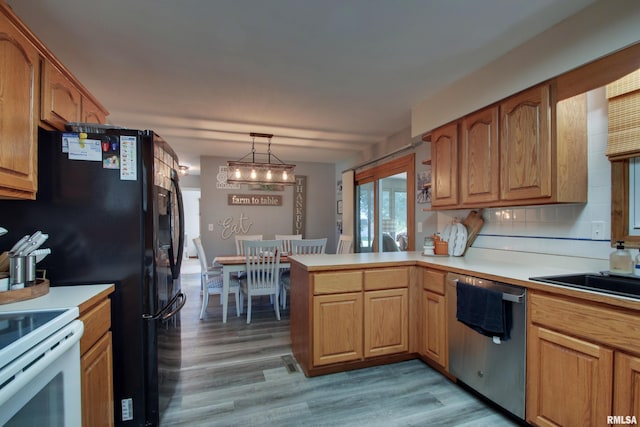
x=624 y=117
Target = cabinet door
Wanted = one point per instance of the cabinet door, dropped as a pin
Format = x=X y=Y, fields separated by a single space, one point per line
x=386 y=322
x=479 y=157
x=444 y=164
x=97 y=384
x=525 y=145
x=569 y=381
x=434 y=345
x=337 y=328
x=626 y=392
x=60 y=100
x=91 y=113
x=19 y=83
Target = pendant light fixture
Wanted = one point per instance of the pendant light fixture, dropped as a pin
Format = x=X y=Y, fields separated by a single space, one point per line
x=267 y=173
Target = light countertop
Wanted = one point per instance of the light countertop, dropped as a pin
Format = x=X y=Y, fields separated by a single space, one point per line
x=498 y=265
x=60 y=297
x=508 y=265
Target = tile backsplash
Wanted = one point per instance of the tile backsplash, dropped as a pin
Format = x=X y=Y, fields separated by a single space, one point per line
x=558 y=229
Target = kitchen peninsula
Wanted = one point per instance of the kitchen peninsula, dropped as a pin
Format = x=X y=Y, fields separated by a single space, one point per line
x=357 y=310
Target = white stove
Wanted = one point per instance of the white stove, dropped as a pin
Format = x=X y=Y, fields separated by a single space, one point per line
x=40 y=367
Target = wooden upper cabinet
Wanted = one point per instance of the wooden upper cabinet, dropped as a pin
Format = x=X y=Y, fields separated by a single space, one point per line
x=479 y=158
x=19 y=83
x=61 y=101
x=92 y=113
x=525 y=139
x=444 y=164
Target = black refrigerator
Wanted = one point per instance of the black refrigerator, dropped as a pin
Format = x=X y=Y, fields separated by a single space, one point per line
x=110 y=201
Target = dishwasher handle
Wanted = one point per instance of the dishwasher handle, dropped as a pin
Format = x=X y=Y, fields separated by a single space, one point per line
x=506 y=296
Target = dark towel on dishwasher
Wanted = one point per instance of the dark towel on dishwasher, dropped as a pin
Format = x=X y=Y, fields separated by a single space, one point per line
x=484 y=310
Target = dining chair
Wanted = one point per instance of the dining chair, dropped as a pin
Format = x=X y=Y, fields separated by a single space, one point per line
x=262 y=259
x=287 y=239
x=345 y=244
x=300 y=247
x=242 y=238
x=211 y=282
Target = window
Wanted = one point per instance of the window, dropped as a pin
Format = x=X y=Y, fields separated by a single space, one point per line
x=385 y=210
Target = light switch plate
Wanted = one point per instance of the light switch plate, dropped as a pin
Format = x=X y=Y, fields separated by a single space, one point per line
x=597 y=230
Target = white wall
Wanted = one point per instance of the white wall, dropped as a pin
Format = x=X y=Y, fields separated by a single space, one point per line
x=265 y=220
x=191 y=199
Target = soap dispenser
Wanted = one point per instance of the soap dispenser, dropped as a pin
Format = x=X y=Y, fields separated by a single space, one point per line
x=620 y=260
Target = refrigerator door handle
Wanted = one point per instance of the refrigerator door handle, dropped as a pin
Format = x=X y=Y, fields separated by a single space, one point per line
x=163 y=314
x=176 y=186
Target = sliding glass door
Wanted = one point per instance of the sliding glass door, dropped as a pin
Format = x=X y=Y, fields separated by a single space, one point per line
x=385 y=207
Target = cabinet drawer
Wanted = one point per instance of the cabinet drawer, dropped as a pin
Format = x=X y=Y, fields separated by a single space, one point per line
x=386 y=278
x=617 y=328
x=97 y=322
x=337 y=282
x=433 y=281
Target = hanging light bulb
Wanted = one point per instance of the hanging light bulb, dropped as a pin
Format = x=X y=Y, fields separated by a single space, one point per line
x=249 y=171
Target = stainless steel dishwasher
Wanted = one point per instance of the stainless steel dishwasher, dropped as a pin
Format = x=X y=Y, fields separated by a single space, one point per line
x=496 y=369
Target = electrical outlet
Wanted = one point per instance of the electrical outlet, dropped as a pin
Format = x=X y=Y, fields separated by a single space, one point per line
x=210 y=227
x=597 y=230
x=419 y=227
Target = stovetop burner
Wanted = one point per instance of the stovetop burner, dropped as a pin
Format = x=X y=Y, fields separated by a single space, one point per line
x=14 y=326
x=22 y=330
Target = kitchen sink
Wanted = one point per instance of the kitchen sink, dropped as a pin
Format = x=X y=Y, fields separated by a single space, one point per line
x=625 y=286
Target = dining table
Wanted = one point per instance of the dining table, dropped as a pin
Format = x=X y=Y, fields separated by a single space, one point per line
x=236 y=264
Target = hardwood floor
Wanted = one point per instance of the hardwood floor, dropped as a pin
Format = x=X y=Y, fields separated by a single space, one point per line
x=234 y=374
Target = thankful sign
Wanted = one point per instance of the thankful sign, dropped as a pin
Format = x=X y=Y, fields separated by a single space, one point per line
x=253 y=200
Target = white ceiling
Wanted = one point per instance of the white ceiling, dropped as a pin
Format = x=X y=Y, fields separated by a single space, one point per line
x=328 y=78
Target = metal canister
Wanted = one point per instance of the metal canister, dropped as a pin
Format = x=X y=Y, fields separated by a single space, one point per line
x=17 y=271
x=30 y=270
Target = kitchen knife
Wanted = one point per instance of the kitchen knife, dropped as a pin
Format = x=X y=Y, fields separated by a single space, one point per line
x=28 y=242
x=41 y=254
x=19 y=243
x=34 y=244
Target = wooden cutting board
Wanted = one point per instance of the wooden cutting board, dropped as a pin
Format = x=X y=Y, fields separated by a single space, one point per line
x=474 y=223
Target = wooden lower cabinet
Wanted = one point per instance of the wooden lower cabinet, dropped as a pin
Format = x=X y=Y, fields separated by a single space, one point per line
x=626 y=398
x=386 y=317
x=582 y=363
x=434 y=344
x=97 y=391
x=337 y=328
x=349 y=319
x=570 y=380
x=434 y=317
x=96 y=363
